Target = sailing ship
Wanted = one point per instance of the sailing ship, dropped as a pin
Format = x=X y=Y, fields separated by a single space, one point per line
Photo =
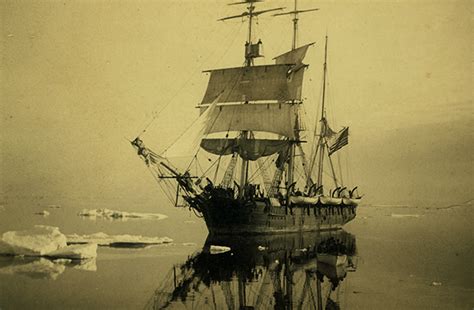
x=280 y=271
x=261 y=178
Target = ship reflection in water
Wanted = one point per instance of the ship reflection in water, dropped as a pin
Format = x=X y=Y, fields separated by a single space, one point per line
x=293 y=271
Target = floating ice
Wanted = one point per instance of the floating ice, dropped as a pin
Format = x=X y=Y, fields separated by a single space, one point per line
x=405 y=215
x=43 y=213
x=114 y=214
x=261 y=248
x=62 y=261
x=76 y=251
x=436 y=283
x=390 y=206
x=43 y=241
x=217 y=249
x=103 y=239
x=189 y=244
x=38 y=241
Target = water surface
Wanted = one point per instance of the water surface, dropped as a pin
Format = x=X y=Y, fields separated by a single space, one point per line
x=398 y=257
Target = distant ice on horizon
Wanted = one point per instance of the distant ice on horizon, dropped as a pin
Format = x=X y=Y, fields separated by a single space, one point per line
x=121 y=215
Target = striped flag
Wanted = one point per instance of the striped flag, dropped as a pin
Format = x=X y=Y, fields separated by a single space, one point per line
x=338 y=140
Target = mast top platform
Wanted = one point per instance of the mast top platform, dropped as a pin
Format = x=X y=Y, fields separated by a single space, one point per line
x=251 y=50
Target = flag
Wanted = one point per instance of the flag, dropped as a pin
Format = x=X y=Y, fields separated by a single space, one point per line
x=338 y=140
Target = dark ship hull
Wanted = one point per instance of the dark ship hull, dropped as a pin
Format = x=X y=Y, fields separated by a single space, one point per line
x=258 y=216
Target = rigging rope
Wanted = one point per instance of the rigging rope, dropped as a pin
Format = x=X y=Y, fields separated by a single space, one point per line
x=198 y=69
x=213 y=123
x=260 y=167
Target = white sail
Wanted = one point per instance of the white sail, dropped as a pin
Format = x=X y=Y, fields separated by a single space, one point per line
x=188 y=144
x=293 y=57
x=272 y=117
x=256 y=83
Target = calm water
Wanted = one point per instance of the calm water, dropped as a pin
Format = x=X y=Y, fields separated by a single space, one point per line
x=391 y=258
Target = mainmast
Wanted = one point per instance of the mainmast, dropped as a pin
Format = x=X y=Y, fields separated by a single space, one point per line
x=252 y=50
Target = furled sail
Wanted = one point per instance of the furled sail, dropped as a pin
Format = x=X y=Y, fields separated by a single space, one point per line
x=272 y=117
x=248 y=149
x=255 y=83
x=294 y=57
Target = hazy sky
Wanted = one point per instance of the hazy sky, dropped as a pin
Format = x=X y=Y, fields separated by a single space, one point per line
x=78 y=77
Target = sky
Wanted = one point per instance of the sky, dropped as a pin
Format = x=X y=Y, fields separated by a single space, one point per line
x=79 y=78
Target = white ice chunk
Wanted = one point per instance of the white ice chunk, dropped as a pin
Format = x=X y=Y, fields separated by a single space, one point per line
x=43 y=213
x=405 y=215
x=117 y=240
x=217 y=249
x=114 y=214
x=261 y=248
x=62 y=261
x=189 y=244
x=436 y=283
x=76 y=251
x=44 y=241
x=38 y=241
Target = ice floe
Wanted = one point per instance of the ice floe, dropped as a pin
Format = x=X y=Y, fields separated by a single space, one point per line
x=189 y=244
x=104 y=239
x=405 y=215
x=217 y=249
x=37 y=241
x=121 y=215
x=76 y=251
x=43 y=213
x=46 y=241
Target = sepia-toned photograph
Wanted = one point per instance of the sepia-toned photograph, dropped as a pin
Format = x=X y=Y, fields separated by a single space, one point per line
x=236 y=154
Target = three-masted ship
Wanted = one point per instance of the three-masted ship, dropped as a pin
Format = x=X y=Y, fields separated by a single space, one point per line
x=262 y=179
